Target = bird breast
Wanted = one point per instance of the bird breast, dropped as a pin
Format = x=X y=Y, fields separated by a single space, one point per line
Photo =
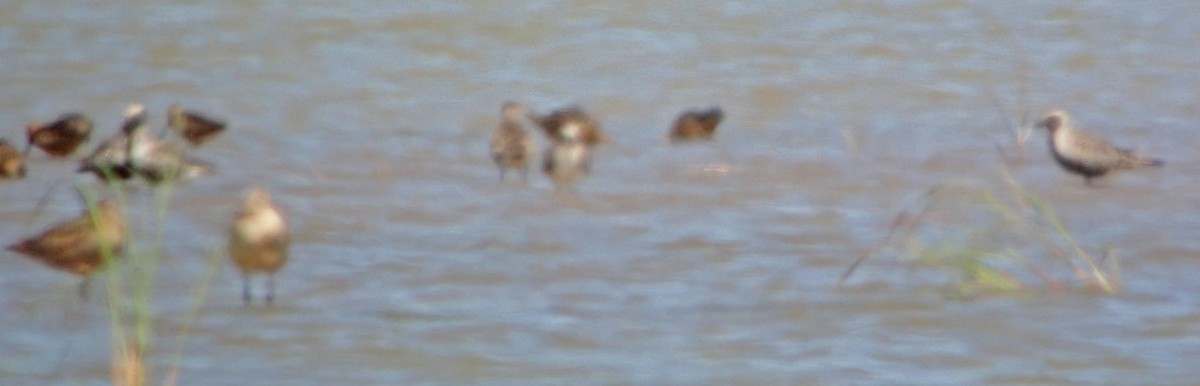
x=259 y=225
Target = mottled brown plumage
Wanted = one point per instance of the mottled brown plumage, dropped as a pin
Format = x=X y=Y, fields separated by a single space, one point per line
x=12 y=162
x=79 y=245
x=1085 y=154
x=61 y=137
x=193 y=126
x=259 y=241
x=552 y=124
x=511 y=147
x=696 y=125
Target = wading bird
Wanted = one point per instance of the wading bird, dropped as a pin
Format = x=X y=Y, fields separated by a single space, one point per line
x=79 y=245
x=552 y=125
x=12 y=163
x=61 y=137
x=193 y=126
x=258 y=241
x=696 y=125
x=511 y=147
x=1085 y=154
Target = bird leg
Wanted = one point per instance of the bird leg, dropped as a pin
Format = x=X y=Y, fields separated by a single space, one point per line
x=270 y=288
x=246 y=289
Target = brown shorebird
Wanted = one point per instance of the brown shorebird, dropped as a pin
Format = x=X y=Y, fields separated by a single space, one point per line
x=552 y=124
x=1085 y=154
x=61 y=137
x=696 y=125
x=511 y=146
x=12 y=162
x=258 y=241
x=80 y=245
x=195 y=127
x=568 y=160
x=110 y=160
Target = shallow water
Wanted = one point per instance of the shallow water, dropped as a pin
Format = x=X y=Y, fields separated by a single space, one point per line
x=700 y=264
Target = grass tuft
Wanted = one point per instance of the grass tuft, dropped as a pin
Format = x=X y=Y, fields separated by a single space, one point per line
x=130 y=291
x=1001 y=225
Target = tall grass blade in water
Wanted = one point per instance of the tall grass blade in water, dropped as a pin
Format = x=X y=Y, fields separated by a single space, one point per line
x=1023 y=217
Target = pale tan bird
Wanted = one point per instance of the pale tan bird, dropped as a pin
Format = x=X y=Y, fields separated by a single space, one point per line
x=258 y=241
x=79 y=245
x=696 y=125
x=1085 y=154
x=12 y=162
x=511 y=147
x=553 y=123
x=193 y=126
x=61 y=137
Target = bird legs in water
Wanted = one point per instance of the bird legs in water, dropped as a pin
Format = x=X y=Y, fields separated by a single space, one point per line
x=246 y=296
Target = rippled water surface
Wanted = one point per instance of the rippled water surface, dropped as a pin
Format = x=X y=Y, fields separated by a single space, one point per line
x=709 y=263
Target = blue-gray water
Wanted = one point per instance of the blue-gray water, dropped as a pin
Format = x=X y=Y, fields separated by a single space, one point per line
x=703 y=264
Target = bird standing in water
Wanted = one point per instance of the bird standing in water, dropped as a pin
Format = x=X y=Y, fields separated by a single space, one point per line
x=1085 y=154
x=110 y=160
x=568 y=160
x=61 y=137
x=696 y=125
x=511 y=147
x=552 y=124
x=195 y=127
x=156 y=160
x=259 y=241
x=12 y=162
x=79 y=245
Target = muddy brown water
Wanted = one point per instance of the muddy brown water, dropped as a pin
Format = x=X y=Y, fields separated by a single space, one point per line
x=701 y=264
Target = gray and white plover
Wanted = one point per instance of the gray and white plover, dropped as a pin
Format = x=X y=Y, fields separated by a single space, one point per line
x=1086 y=154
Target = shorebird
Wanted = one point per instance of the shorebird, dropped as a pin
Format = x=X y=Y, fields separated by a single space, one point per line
x=258 y=241
x=110 y=159
x=195 y=127
x=61 y=137
x=79 y=245
x=568 y=160
x=511 y=146
x=156 y=160
x=12 y=163
x=552 y=124
x=696 y=125
x=1085 y=154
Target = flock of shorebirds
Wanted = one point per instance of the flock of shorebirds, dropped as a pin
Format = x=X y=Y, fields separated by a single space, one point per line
x=258 y=240
x=572 y=133
x=259 y=234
